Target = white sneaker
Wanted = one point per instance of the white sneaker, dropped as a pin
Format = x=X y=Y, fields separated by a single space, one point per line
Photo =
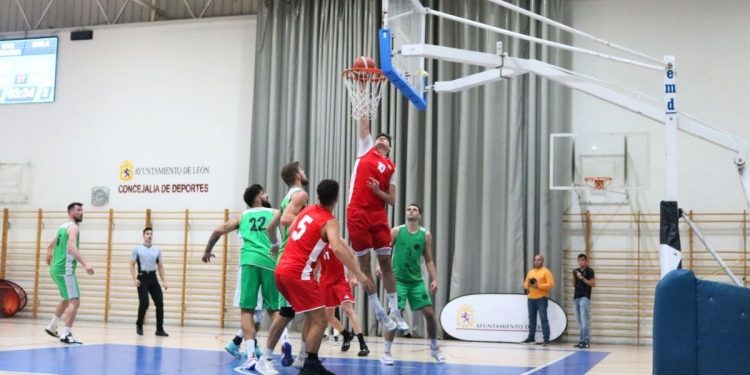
x=247 y=367
x=265 y=366
x=299 y=362
x=387 y=359
x=69 y=339
x=438 y=355
x=401 y=324
x=388 y=323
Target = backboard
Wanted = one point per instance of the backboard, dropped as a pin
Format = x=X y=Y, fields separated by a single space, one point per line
x=623 y=157
x=404 y=25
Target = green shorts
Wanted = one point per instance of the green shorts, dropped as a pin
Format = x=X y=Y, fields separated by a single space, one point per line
x=252 y=279
x=283 y=302
x=67 y=285
x=416 y=294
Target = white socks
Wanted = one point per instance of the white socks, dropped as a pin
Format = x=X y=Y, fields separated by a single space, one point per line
x=53 y=324
x=433 y=344
x=285 y=335
x=393 y=304
x=375 y=302
x=268 y=353
x=65 y=332
x=250 y=348
x=388 y=345
x=240 y=333
x=303 y=349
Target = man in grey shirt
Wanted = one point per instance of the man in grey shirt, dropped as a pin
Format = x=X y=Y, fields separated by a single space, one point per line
x=148 y=259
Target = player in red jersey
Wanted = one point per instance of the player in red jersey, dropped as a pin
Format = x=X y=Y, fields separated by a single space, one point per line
x=372 y=187
x=313 y=229
x=337 y=290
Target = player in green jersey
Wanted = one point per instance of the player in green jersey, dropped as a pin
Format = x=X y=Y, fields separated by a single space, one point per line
x=412 y=243
x=256 y=263
x=294 y=201
x=62 y=256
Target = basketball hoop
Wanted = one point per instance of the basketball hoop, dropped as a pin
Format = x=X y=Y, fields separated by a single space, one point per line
x=365 y=87
x=598 y=184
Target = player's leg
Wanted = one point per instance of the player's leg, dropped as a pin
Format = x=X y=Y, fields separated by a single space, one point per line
x=431 y=321
x=359 y=234
x=71 y=285
x=315 y=322
x=51 y=328
x=381 y=235
x=154 y=290
x=233 y=346
x=351 y=314
x=402 y=290
x=142 y=303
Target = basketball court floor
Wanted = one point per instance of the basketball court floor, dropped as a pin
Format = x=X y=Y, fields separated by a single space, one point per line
x=114 y=348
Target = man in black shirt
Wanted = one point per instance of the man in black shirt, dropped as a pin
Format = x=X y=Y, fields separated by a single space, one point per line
x=583 y=281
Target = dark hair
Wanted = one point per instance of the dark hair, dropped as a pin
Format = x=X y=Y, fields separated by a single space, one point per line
x=148 y=229
x=390 y=143
x=417 y=206
x=582 y=255
x=289 y=172
x=73 y=205
x=251 y=193
x=328 y=192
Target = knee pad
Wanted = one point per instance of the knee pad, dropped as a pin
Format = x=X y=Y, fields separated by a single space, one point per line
x=287 y=312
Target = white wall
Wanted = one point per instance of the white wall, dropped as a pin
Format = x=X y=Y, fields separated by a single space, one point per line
x=709 y=40
x=165 y=94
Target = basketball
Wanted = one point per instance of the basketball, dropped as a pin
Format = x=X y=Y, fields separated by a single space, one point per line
x=364 y=62
x=9 y=301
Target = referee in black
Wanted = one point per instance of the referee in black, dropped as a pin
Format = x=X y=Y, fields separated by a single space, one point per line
x=148 y=259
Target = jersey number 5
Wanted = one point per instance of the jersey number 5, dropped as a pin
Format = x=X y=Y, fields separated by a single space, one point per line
x=301 y=227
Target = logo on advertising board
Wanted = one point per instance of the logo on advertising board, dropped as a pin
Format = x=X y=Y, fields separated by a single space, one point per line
x=465 y=317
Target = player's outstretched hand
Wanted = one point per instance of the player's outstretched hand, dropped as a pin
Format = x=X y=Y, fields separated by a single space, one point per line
x=366 y=282
x=207 y=257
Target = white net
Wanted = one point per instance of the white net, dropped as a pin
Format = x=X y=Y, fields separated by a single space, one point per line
x=365 y=88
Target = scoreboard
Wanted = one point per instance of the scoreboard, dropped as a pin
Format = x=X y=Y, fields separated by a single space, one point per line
x=28 y=69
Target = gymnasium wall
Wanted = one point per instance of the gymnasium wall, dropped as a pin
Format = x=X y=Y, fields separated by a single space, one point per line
x=170 y=103
x=173 y=98
x=708 y=41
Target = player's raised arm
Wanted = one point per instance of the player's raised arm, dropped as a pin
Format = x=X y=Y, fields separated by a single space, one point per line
x=228 y=227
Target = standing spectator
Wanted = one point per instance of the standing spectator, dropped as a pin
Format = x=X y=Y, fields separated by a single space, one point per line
x=583 y=281
x=539 y=281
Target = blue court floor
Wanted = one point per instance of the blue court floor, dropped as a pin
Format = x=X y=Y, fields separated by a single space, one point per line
x=140 y=359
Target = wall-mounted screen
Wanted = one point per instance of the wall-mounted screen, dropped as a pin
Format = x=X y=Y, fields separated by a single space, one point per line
x=28 y=69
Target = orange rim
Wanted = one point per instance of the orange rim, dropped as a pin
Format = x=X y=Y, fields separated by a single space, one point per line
x=364 y=74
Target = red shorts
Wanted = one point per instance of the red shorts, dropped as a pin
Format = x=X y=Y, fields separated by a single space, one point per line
x=368 y=229
x=303 y=295
x=337 y=293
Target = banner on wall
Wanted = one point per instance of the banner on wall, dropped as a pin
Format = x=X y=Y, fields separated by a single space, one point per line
x=497 y=318
x=163 y=179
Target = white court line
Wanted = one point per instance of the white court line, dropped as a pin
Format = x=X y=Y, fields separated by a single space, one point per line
x=547 y=364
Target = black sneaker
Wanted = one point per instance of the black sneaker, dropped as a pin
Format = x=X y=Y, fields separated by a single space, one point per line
x=579 y=345
x=347 y=341
x=363 y=351
x=139 y=330
x=52 y=333
x=527 y=341
x=69 y=339
x=162 y=333
x=314 y=367
x=585 y=345
x=545 y=343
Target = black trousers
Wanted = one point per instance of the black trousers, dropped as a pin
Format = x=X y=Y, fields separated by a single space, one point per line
x=150 y=285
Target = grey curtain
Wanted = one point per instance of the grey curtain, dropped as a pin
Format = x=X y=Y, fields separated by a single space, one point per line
x=476 y=161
